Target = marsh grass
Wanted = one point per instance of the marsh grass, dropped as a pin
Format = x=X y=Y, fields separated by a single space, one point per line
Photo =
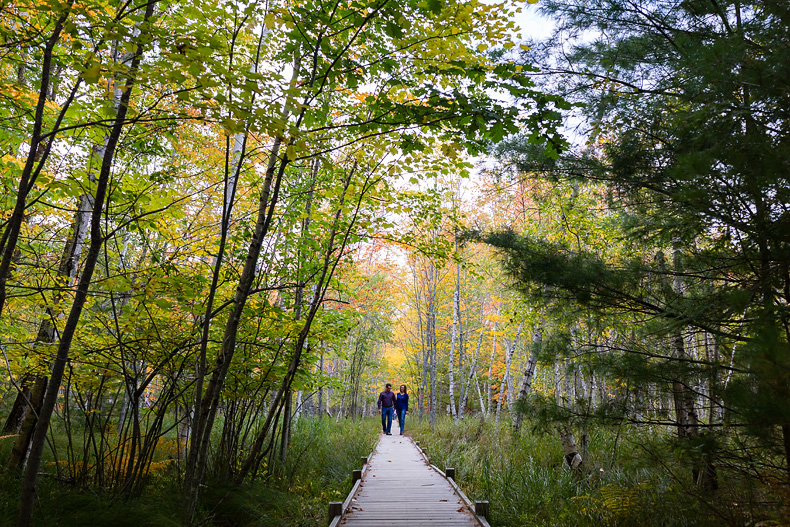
x=639 y=483
x=321 y=457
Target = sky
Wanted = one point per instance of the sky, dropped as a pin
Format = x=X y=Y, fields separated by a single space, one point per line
x=532 y=24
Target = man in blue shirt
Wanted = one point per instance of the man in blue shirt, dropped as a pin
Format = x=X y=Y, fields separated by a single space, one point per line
x=386 y=405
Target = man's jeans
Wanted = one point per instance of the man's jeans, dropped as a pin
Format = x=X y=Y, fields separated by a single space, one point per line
x=402 y=419
x=387 y=413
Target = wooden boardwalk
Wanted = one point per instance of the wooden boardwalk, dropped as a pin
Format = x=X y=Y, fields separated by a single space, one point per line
x=400 y=489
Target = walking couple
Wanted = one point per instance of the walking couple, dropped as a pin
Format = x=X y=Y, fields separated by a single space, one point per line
x=390 y=403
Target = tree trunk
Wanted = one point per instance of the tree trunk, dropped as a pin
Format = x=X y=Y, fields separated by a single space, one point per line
x=529 y=372
x=200 y=415
x=430 y=338
x=321 y=386
x=42 y=426
x=22 y=418
x=703 y=471
x=490 y=400
x=572 y=457
x=472 y=375
x=456 y=321
x=285 y=437
x=510 y=348
x=209 y=403
x=39 y=149
x=557 y=384
x=331 y=258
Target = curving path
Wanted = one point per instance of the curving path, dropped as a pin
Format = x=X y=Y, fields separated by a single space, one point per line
x=400 y=489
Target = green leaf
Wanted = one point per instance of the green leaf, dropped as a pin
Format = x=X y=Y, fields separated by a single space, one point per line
x=92 y=74
x=164 y=304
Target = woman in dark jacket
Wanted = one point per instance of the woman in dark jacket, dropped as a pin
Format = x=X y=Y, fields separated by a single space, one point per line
x=402 y=406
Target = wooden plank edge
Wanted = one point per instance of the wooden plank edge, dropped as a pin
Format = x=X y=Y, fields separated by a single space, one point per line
x=460 y=493
x=347 y=502
x=422 y=452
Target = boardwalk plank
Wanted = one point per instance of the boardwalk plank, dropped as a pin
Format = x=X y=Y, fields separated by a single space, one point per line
x=400 y=489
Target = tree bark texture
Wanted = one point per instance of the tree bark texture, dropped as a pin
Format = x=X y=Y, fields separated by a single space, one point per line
x=529 y=373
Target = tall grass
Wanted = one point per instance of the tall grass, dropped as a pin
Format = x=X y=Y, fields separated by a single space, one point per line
x=633 y=480
x=322 y=455
x=295 y=493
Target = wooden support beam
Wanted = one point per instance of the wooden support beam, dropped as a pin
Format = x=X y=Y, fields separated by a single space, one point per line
x=450 y=472
x=364 y=461
x=481 y=508
x=357 y=475
x=335 y=509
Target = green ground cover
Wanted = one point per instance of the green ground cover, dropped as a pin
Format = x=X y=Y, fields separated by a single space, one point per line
x=636 y=483
x=321 y=457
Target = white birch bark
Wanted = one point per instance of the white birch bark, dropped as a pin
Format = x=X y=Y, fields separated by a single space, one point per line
x=489 y=401
x=472 y=375
x=572 y=457
x=298 y=410
x=686 y=414
x=509 y=350
x=584 y=387
x=431 y=340
x=320 y=404
x=557 y=385
x=529 y=373
x=480 y=397
x=593 y=389
x=450 y=371
x=328 y=413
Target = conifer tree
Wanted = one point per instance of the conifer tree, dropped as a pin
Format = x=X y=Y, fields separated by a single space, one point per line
x=685 y=108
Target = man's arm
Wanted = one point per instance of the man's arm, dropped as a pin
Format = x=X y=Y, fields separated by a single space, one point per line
x=378 y=403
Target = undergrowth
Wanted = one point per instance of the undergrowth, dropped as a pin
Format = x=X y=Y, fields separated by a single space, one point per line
x=321 y=457
x=629 y=481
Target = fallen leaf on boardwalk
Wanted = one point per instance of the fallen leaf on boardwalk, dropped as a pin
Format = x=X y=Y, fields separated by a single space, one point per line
x=442 y=500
